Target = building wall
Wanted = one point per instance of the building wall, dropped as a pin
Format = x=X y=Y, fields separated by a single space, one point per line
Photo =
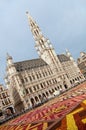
x=34 y=81
x=39 y=83
x=5 y=100
x=35 y=84
x=72 y=72
x=30 y=86
x=82 y=63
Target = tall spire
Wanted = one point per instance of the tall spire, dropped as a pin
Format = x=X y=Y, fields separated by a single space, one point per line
x=43 y=45
x=45 y=49
x=9 y=59
x=33 y=26
x=28 y=14
x=69 y=55
x=41 y=42
x=8 y=56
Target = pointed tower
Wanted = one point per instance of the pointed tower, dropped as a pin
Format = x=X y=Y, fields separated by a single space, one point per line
x=73 y=61
x=45 y=49
x=14 y=84
x=9 y=59
x=69 y=55
x=71 y=58
x=10 y=64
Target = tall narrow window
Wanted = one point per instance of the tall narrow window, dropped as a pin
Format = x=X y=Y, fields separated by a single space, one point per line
x=30 y=78
x=26 y=79
x=30 y=90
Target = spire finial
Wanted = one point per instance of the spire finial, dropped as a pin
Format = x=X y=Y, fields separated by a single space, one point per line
x=28 y=14
x=8 y=56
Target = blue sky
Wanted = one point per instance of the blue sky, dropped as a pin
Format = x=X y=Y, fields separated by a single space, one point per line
x=62 y=21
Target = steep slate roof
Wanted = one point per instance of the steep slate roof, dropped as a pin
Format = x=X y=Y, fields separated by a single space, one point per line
x=63 y=58
x=29 y=64
x=34 y=63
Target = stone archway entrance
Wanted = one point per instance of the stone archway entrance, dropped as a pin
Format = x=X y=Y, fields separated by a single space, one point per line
x=11 y=109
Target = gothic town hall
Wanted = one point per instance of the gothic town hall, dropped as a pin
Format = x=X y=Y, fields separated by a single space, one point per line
x=32 y=82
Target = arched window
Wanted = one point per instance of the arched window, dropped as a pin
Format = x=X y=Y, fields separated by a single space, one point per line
x=43 y=74
x=26 y=91
x=30 y=90
x=34 y=87
x=37 y=76
x=44 y=84
x=1 y=112
x=55 y=80
x=70 y=81
x=60 y=86
x=73 y=80
x=76 y=79
x=55 y=88
x=36 y=98
x=37 y=31
x=30 y=78
x=32 y=101
x=50 y=82
x=50 y=92
x=33 y=77
x=80 y=77
x=41 y=85
x=65 y=86
x=26 y=79
x=44 y=95
x=47 y=82
x=47 y=93
x=40 y=96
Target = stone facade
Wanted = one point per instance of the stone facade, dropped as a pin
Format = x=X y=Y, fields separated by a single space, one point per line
x=82 y=63
x=34 y=81
x=5 y=100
